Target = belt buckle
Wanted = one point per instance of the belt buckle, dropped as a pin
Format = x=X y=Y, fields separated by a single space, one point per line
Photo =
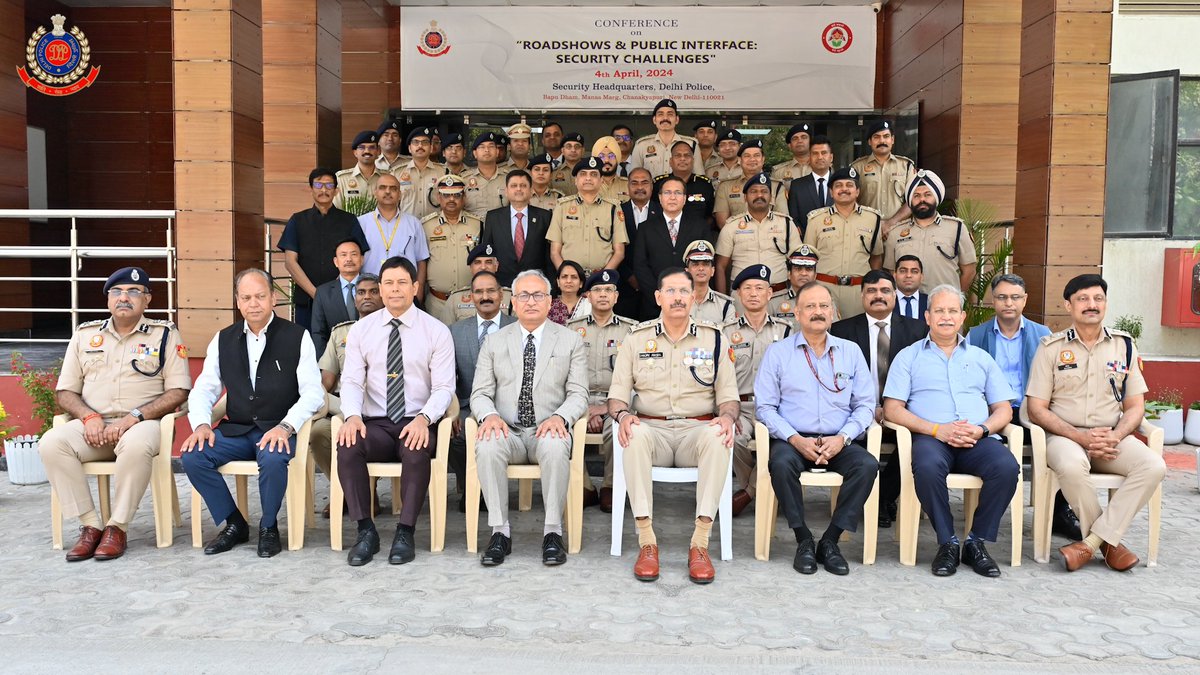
x=844 y=280
x=675 y=417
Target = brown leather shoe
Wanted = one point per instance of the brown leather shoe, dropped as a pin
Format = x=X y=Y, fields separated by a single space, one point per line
x=590 y=498
x=1118 y=557
x=700 y=567
x=85 y=548
x=606 y=499
x=741 y=499
x=1076 y=555
x=112 y=544
x=646 y=567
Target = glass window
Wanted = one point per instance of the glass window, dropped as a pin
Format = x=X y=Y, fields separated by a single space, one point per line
x=1141 y=143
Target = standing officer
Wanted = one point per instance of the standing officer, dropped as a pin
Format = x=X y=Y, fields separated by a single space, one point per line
x=552 y=141
x=419 y=175
x=848 y=236
x=706 y=143
x=119 y=376
x=730 y=202
x=700 y=194
x=802 y=269
x=707 y=305
x=884 y=175
x=390 y=157
x=482 y=258
x=1086 y=390
x=942 y=243
x=359 y=180
x=759 y=236
x=799 y=140
x=687 y=410
x=729 y=142
x=485 y=183
x=451 y=234
x=542 y=194
x=454 y=154
x=612 y=186
x=749 y=335
x=586 y=227
x=652 y=152
x=519 y=137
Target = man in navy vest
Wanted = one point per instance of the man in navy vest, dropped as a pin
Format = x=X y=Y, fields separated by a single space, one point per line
x=268 y=368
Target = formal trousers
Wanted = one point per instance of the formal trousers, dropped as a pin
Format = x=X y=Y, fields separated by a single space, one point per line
x=201 y=466
x=522 y=446
x=989 y=459
x=676 y=443
x=382 y=444
x=64 y=450
x=855 y=465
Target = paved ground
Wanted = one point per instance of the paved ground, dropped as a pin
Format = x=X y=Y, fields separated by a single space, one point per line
x=175 y=610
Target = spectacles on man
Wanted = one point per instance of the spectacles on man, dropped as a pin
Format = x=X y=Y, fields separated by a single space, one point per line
x=1005 y=299
x=623 y=137
x=327 y=186
x=530 y=297
x=133 y=293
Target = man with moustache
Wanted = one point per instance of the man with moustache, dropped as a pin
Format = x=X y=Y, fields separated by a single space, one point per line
x=848 y=235
x=727 y=166
x=586 y=227
x=482 y=258
x=942 y=243
x=419 y=176
x=485 y=183
x=653 y=152
x=700 y=195
x=761 y=235
x=800 y=140
x=812 y=190
x=563 y=178
x=612 y=186
x=451 y=233
x=637 y=210
x=390 y=158
x=519 y=136
x=730 y=202
x=706 y=143
x=360 y=180
x=455 y=154
x=884 y=175
x=664 y=238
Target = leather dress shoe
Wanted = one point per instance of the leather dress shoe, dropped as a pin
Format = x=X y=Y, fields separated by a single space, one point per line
x=268 y=542
x=364 y=549
x=553 y=550
x=646 y=567
x=1064 y=522
x=85 y=547
x=741 y=499
x=975 y=555
x=945 y=563
x=232 y=535
x=498 y=547
x=887 y=514
x=112 y=544
x=1076 y=555
x=806 y=557
x=700 y=567
x=403 y=550
x=829 y=555
x=590 y=497
x=1116 y=557
x=606 y=499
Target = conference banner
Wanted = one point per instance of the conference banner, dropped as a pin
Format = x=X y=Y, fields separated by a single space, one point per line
x=628 y=58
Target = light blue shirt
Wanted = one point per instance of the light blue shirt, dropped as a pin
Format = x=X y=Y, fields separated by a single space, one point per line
x=348 y=284
x=943 y=390
x=404 y=232
x=1010 y=354
x=790 y=400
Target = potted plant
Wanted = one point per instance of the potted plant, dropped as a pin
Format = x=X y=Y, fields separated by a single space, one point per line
x=24 y=462
x=1130 y=323
x=992 y=250
x=1191 y=429
x=1167 y=408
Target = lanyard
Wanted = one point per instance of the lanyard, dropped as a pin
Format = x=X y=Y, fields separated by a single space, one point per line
x=808 y=357
x=387 y=241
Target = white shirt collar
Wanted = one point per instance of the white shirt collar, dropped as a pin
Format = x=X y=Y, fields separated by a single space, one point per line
x=479 y=322
x=246 y=326
x=536 y=333
x=825 y=175
x=871 y=321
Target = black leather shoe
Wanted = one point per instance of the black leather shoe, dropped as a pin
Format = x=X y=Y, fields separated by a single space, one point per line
x=498 y=547
x=365 y=548
x=232 y=535
x=945 y=563
x=553 y=550
x=831 y=557
x=887 y=514
x=975 y=555
x=1065 y=523
x=268 y=542
x=806 y=557
x=403 y=550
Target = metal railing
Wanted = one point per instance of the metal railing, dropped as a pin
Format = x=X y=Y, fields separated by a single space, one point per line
x=75 y=254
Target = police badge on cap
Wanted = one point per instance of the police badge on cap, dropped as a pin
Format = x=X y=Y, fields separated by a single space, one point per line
x=128 y=275
x=602 y=278
x=759 y=272
x=586 y=164
x=755 y=143
x=665 y=103
x=803 y=256
x=757 y=179
x=418 y=133
x=480 y=251
x=364 y=137
x=698 y=251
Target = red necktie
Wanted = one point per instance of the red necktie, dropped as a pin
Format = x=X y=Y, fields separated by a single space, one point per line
x=519 y=236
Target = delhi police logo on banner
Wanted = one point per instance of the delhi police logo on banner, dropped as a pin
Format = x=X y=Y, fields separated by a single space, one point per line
x=56 y=61
x=433 y=41
x=837 y=37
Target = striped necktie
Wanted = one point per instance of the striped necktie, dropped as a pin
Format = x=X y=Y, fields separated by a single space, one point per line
x=395 y=366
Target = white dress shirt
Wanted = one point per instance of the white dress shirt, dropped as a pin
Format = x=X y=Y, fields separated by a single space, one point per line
x=822 y=188
x=640 y=215
x=512 y=221
x=537 y=337
x=491 y=329
x=902 y=303
x=873 y=341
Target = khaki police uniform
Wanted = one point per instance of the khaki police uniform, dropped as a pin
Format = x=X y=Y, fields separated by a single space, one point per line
x=617 y=190
x=113 y=375
x=382 y=163
x=449 y=244
x=546 y=201
x=602 y=343
x=484 y=194
x=943 y=247
x=587 y=231
x=679 y=386
x=747 y=347
x=719 y=172
x=789 y=171
x=846 y=246
x=782 y=307
x=416 y=185
x=332 y=360
x=562 y=180
x=510 y=165
x=654 y=155
x=462 y=305
x=746 y=241
x=1085 y=388
x=882 y=187
x=716 y=308
x=730 y=199
x=352 y=184
x=712 y=165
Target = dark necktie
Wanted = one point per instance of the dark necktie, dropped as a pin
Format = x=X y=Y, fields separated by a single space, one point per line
x=483 y=330
x=395 y=374
x=525 y=400
x=350 y=311
x=519 y=237
x=908 y=308
x=883 y=343
x=821 y=191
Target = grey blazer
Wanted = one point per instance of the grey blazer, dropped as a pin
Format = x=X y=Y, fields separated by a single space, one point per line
x=465 y=334
x=560 y=380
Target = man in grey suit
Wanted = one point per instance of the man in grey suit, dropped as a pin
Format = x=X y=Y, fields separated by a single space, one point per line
x=526 y=412
x=334 y=301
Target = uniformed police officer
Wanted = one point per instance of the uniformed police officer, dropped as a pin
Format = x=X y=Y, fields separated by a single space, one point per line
x=687 y=413
x=390 y=155
x=612 y=186
x=942 y=243
x=358 y=182
x=519 y=136
x=419 y=175
x=602 y=332
x=1086 y=390
x=758 y=236
x=700 y=195
x=729 y=142
x=542 y=194
x=848 y=235
x=462 y=301
x=730 y=202
x=485 y=183
x=653 y=152
x=561 y=179
x=802 y=269
x=120 y=375
x=706 y=143
x=884 y=176
x=454 y=154
x=749 y=335
x=451 y=234
x=708 y=305
x=799 y=141
x=501 y=150
x=586 y=227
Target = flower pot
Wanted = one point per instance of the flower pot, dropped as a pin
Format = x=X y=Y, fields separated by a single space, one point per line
x=1172 y=426
x=1191 y=428
x=24 y=462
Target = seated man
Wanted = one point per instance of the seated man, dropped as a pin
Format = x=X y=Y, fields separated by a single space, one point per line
x=1086 y=390
x=392 y=399
x=530 y=386
x=687 y=413
x=954 y=399
x=116 y=402
x=268 y=369
x=814 y=411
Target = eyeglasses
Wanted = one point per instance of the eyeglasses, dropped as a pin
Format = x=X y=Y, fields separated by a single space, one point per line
x=530 y=297
x=607 y=156
x=623 y=137
x=133 y=293
x=418 y=141
x=673 y=193
x=1002 y=299
x=327 y=186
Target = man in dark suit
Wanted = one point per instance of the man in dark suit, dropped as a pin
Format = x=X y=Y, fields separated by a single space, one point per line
x=637 y=210
x=517 y=232
x=662 y=239
x=880 y=333
x=812 y=191
x=910 y=300
x=334 y=301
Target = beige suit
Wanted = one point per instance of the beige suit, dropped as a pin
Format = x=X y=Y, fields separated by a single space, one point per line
x=560 y=387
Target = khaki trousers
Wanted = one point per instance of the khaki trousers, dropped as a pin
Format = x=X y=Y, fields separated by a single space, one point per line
x=522 y=446
x=438 y=309
x=677 y=443
x=1143 y=470
x=64 y=450
x=320 y=435
x=745 y=472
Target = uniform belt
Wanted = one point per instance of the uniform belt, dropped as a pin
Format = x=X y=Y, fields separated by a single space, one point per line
x=439 y=295
x=779 y=286
x=702 y=418
x=844 y=280
x=747 y=397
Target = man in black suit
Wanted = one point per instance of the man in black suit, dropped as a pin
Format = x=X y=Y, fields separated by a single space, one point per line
x=910 y=300
x=637 y=210
x=877 y=333
x=334 y=301
x=812 y=191
x=662 y=239
x=517 y=232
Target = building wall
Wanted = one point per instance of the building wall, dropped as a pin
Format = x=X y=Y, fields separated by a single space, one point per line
x=370 y=68
x=14 y=178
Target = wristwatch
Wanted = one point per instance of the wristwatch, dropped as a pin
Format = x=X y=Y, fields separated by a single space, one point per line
x=986 y=431
x=137 y=415
x=845 y=439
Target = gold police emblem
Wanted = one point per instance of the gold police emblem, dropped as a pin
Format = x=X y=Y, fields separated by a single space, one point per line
x=651 y=346
x=1067 y=357
x=828 y=220
x=736 y=338
x=582 y=331
x=96 y=341
x=905 y=232
x=56 y=61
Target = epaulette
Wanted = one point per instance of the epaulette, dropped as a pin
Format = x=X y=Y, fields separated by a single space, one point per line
x=651 y=323
x=823 y=209
x=344 y=323
x=473 y=171
x=660 y=177
x=740 y=216
x=557 y=192
x=781 y=214
x=89 y=324
x=699 y=323
x=468 y=214
x=700 y=176
x=782 y=292
x=1118 y=331
x=645 y=138
x=435 y=214
x=610 y=200
x=905 y=159
x=624 y=320
x=952 y=218
x=159 y=322
x=1055 y=337
x=585 y=319
x=344 y=172
x=721 y=296
x=563 y=200
x=868 y=209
